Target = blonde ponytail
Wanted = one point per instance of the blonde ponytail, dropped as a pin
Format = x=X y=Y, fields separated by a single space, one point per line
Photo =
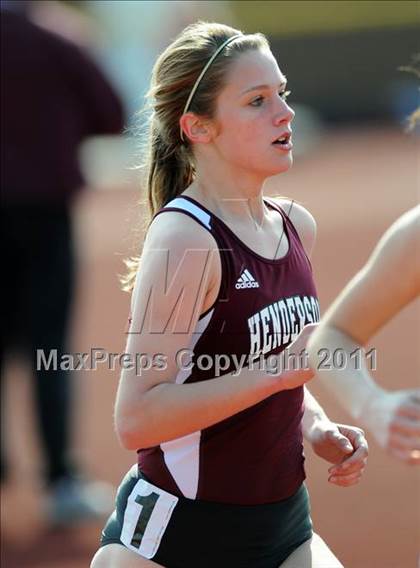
x=170 y=171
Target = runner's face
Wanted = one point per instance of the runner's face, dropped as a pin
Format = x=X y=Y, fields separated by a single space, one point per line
x=252 y=113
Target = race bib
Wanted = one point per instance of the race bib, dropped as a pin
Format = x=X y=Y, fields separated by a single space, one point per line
x=146 y=517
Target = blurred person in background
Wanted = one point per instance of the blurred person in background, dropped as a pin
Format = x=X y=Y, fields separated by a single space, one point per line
x=53 y=97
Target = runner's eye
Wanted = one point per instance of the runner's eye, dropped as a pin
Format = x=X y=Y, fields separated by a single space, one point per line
x=258 y=101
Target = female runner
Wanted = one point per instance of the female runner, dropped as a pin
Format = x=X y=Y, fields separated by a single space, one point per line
x=224 y=287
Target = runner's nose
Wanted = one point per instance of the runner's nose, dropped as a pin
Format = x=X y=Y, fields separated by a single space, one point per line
x=285 y=113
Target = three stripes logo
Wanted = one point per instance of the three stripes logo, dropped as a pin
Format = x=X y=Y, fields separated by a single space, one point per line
x=246 y=280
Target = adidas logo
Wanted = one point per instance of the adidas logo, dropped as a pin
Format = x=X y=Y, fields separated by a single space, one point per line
x=246 y=280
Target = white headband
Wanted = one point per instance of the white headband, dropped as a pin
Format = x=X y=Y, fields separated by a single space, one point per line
x=196 y=84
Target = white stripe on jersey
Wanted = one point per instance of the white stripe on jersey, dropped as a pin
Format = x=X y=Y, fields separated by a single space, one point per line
x=182 y=456
x=181 y=203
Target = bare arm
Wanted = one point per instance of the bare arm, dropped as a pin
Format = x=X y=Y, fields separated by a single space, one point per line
x=314 y=415
x=389 y=281
x=172 y=283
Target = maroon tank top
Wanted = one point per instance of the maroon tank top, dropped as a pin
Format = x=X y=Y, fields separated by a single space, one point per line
x=255 y=456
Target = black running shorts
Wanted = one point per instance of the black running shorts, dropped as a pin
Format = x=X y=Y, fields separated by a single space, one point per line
x=177 y=532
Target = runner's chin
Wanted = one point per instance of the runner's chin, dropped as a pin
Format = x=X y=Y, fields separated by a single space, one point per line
x=282 y=162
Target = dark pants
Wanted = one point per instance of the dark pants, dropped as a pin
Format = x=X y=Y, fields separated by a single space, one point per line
x=37 y=289
x=207 y=534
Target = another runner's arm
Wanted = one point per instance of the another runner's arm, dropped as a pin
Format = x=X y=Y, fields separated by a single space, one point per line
x=152 y=408
x=389 y=281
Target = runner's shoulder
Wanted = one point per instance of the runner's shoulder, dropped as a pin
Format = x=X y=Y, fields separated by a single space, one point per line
x=303 y=221
x=175 y=230
x=398 y=249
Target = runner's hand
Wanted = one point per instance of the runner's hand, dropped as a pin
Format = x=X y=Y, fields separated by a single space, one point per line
x=345 y=446
x=402 y=409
